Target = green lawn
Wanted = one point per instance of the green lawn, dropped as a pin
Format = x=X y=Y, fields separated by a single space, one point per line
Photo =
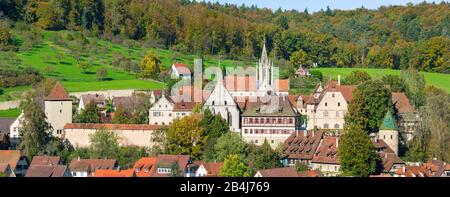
x=437 y=79
x=10 y=113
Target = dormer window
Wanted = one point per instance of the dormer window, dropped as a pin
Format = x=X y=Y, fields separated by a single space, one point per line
x=146 y=170
x=138 y=170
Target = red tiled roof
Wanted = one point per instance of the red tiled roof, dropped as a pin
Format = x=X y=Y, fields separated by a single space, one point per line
x=310 y=173
x=327 y=151
x=111 y=126
x=293 y=100
x=115 y=173
x=46 y=171
x=45 y=160
x=184 y=106
x=401 y=103
x=297 y=146
x=58 y=93
x=11 y=157
x=182 y=69
x=212 y=168
x=279 y=172
x=145 y=166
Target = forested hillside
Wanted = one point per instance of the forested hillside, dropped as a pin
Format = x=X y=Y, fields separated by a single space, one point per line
x=389 y=37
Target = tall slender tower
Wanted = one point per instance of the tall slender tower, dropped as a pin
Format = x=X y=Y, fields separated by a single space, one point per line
x=58 y=109
x=264 y=68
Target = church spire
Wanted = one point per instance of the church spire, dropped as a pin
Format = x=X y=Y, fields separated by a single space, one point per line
x=264 y=57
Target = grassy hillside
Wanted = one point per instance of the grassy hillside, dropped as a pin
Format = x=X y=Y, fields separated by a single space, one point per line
x=65 y=67
x=437 y=79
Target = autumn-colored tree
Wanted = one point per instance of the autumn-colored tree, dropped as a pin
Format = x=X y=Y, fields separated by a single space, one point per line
x=186 y=136
x=433 y=135
x=5 y=35
x=234 y=166
x=120 y=116
x=299 y=58
x=51 y=14
x=356 y=77
x=150 y=65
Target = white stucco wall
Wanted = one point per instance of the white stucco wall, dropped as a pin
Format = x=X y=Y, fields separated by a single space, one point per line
x=58 y=113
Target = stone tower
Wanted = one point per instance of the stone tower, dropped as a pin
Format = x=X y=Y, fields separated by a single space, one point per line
x=389 y=132
x=58 y=109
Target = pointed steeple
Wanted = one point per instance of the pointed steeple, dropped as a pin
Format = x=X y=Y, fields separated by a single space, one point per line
x=389 y=122
x=264 y=57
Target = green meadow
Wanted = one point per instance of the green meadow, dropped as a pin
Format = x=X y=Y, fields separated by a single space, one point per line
x=436 y=79
x=66 y=69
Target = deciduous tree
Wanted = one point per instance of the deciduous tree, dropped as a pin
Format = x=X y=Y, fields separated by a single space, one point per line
x=357 y=155
x=234 y=166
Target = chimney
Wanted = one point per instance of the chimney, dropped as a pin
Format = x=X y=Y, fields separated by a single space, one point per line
x=339 y=80
x=296 y=133
x=305 y=133
x=337 y=141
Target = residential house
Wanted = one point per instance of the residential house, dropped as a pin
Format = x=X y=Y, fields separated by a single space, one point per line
x=98 y=99
x=390 y=162
x=166 y=110
x=180 y=70
x=145 y=166
x=273 y=121
x=438 y=168
x=286 y=172
x=167 y=163
x=327 y=106
x=18 y=163
x=114 y=173
x=300 y=147
x=302 y=72
x=14 y=136
x=155 y=95
x=46 y=160
x=207 y=169
x=413 y=171
x=88 y=167
x=129 y=134
x=48 y=171
x=58 y=109
x=326 y=157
